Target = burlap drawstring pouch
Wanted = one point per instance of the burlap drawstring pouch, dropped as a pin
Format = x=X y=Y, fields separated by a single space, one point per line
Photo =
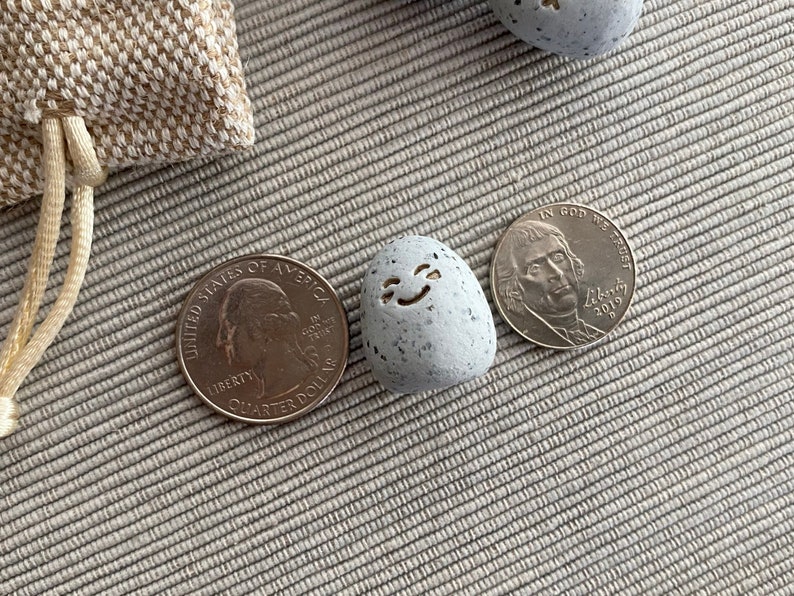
x=88 y=87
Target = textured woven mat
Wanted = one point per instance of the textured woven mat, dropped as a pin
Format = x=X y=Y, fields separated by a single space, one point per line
x=658 y=462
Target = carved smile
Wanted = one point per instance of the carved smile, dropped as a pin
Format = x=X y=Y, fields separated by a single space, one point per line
x=415 y=299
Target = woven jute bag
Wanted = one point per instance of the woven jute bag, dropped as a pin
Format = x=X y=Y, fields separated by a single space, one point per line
x=90 y=86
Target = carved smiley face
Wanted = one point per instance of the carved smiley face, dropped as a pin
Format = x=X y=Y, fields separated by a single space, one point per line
x=393 y=284
x=425 y=321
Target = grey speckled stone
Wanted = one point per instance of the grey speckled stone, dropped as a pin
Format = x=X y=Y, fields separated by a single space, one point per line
x=425 y=322
x=573 y=28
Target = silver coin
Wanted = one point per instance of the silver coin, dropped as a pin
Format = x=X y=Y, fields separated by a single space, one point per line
x=563 y=276
x=262 y=339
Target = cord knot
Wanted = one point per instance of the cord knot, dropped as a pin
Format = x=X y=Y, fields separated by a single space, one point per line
x=86 y=168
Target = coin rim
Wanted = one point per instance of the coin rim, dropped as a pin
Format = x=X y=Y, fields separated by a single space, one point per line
x=492 y=271
x=257 y=421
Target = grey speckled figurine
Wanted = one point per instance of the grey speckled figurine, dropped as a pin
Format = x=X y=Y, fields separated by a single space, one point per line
x=425 y=322
x=572 y=28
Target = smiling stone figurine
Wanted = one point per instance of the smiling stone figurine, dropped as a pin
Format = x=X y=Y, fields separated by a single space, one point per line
x=574 y=28
x=425 y=321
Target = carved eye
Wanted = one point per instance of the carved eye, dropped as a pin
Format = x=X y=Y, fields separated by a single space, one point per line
x=434 y=274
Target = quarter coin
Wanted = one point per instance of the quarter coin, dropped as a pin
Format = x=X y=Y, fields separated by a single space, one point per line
x=563 y=276
x=262 y=339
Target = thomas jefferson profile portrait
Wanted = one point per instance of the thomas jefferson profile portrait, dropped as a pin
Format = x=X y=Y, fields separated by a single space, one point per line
x=260 y=331
x=538 y=283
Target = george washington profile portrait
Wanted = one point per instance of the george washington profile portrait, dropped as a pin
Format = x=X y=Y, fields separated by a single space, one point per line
x=259 y=330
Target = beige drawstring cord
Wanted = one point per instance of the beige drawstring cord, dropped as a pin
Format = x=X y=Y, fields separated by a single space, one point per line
x=18 y=355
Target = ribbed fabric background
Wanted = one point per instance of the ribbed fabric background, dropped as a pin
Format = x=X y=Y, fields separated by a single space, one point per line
x=658 y=462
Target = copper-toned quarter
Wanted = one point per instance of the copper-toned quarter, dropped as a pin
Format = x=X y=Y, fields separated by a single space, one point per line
x=563 y=276
x=262 y=339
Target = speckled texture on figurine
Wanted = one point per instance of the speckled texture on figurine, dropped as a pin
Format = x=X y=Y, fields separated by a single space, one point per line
x=425 y=321
x=573 y=28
